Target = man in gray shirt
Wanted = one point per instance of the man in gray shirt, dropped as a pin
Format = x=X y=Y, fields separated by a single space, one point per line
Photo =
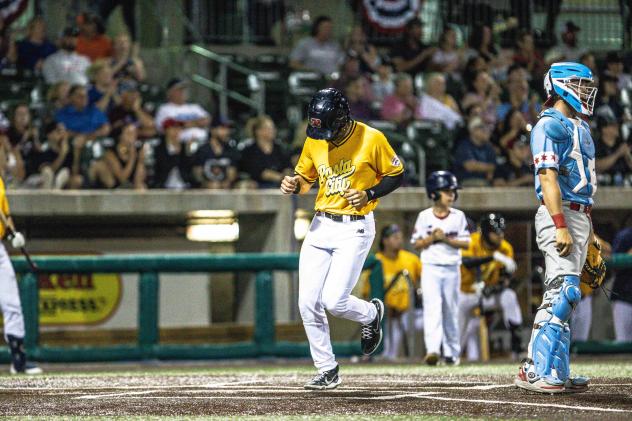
x=66 y=65
x=318 y=53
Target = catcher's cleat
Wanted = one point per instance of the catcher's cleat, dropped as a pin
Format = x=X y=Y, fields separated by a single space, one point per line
x=325 y=380
x=528 y=380
x=431 y=359
x=19 y=365
x=577 y=384
x=371 y=335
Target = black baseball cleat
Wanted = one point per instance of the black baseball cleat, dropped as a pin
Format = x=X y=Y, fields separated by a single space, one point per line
x=371 y=335
x=27 y=368
x=324 y=381
x=19 y=365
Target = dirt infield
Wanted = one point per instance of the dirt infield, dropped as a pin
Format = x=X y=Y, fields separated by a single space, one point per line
x=279 y=391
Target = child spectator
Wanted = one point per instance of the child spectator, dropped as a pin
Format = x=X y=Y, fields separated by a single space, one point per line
x=66 y=65
x=410 y=55
x=126 y=161
x=475 y=158
x=516 y=170
x=215 y=162
x=318 y=53
x=194 y=118
x=613 y=155
x=54 y=161
x=403 y=106
x=92 y=41
x=35 y=47
x=81 y=118
x=103 y=90
x=130 y=110
x=126 y=64
x=265 y=160
x=171 y=170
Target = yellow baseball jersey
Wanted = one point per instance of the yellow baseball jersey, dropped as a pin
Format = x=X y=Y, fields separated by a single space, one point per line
x=4 y=206
x=489 y=272
x=359 y=161
x=398 y=296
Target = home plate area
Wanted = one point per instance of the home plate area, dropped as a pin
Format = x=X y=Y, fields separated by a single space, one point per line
x=274 y=394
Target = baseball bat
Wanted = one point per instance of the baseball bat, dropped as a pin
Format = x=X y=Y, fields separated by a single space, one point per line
x=484 y=336
x=25 y=253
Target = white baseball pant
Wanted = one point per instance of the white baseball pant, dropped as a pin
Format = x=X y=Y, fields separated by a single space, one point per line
x=440 y=286
x=331 y=260
x=10 y=298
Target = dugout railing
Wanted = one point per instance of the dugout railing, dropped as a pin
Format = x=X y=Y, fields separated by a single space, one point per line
x=149 y=267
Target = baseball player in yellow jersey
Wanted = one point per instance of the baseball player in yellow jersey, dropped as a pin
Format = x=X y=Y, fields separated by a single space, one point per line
x=401 y=269
x=486 y=264
x=354 y=165
x=10 y=296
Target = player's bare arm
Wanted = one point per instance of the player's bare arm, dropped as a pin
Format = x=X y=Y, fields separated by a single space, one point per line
x=553 y=202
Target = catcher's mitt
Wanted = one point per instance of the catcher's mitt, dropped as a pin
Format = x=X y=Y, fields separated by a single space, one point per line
x=594 y=270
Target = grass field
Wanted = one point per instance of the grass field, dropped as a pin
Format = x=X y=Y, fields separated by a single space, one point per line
x=273 y=390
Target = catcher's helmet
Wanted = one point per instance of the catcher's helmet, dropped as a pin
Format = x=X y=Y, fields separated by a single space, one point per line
x=327 y=115
x=492 y=222
x=572 y=82
x=440 y=180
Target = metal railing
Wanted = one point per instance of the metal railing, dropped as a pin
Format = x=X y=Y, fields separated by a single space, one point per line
x=256 y=85
x=263 y=343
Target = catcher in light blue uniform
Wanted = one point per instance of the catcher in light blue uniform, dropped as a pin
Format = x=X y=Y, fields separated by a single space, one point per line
x=564 y=159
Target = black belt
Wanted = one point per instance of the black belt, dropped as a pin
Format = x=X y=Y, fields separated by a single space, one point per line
x=339 y=218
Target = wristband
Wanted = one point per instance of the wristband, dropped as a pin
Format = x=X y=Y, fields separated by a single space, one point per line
x=297 y=190
x=559 y=220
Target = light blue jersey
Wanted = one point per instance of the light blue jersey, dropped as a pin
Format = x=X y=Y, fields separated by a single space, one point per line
x=567 y=146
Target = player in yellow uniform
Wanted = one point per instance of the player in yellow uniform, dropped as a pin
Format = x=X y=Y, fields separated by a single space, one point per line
x=10 y=296
x=402 y=271
x=354 y=166
x=487 y=265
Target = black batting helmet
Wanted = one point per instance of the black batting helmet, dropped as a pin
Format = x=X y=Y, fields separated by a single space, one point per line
x=327 y=115
x=440 y=180
x=492 y=222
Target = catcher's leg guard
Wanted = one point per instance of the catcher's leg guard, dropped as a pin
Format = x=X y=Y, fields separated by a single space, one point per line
x=550 y=351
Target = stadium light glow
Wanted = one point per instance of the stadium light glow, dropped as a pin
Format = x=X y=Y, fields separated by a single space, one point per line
x=213 y=226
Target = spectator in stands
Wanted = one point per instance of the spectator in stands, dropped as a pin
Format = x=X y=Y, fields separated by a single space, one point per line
x=66 y=65
x=349 y=70
x=447 y=58
x=484 y=91
x=513 y=127
x=410 y=55
x=53 y=162
x=56 y=99
x=615 y=68
x=474 y=65
x=130 y=110
x=125 y=62
x=613 y=154
x=475 y=159
x=265 y=160
x=569 y=50
x=103 y=91
x=172 y=165
x=318 y=53
x=358 y=46
x=359 y=102
x=8 y=53
x=80 y=118
x=527 y=55
x=516 y=171
x=518 y=98
x=608 y=97
x=383 y=81
x=621 y=294
x=126 y=161
x=588 y=60
x=436 y=104
x=194 y=118
x=215 y=162
x=403 y=106
x=481 y=43
x=24 y=140
x=11 y=164
x=92 y=41
x=35 y=47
